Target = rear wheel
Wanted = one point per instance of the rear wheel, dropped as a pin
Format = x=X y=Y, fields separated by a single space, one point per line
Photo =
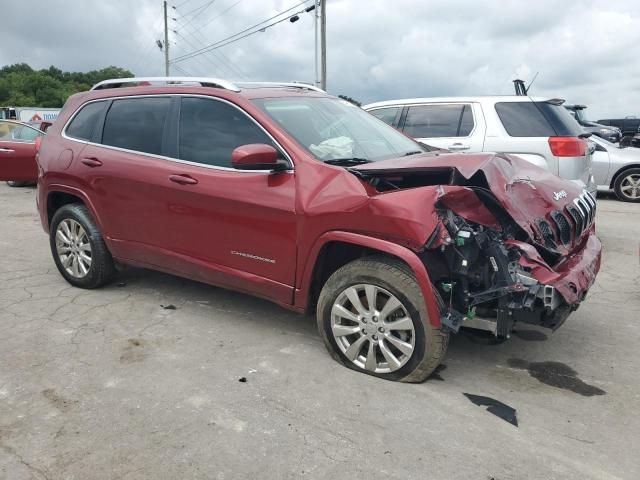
x=372 y=318
x=627 y=185
x=78 y=248
x=13 y=183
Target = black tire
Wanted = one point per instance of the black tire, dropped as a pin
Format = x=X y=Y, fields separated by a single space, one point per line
x=398 y=279
x=13 y=183
x=617 y=185
x=102 y=269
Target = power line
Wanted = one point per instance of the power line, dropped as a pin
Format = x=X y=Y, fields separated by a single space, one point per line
x=231 y=39
x=203 y=6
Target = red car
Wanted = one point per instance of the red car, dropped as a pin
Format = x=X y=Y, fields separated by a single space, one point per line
x=287 y=193
x=18 y=150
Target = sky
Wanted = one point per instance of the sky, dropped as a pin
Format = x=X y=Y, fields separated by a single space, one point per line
x=585 y=51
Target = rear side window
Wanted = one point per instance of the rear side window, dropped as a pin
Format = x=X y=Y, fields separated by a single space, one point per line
x=210 y=130
x=387 y=115
x=537 y=119
x=136 y=124
x=86 y=120
x=433 y=121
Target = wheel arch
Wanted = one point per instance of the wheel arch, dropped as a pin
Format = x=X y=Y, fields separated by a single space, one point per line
x=620 y=171
x=335 y=249
x=60 y=195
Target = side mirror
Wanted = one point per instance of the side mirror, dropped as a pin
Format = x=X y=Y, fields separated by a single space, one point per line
x=255 y=156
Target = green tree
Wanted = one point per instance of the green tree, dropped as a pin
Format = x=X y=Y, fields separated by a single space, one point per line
x=349 y=99
x=22 y=86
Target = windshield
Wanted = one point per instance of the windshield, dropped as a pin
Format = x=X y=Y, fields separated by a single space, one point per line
x=334 y=130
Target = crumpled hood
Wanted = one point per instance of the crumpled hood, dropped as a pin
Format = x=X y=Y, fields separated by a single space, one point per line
x=527 y=192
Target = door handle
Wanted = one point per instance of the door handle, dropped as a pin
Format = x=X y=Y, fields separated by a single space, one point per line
x=183 y=179
x=91 y=162
x=6 y=150
x=458 y=146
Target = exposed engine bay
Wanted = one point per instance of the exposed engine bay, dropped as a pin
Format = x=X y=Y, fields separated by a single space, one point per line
x=503 y=249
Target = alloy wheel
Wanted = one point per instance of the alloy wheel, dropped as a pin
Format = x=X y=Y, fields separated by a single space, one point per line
x=372 y=328
x=73 y=248
x=630 y=186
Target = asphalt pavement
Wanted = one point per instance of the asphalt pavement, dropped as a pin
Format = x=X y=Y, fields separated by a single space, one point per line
x=157 y=377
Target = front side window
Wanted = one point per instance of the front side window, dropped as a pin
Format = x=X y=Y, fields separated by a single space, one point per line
x=85 y=123
x=387 y=115
x=332 y=129
x=136 y=124
x=17 y=132
x=434 y=121
x=210 y=130
x=26 y=133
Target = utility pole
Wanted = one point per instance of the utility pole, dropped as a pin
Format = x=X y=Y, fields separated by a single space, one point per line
x=166 y=42
x=316 y=20
x=323 y=44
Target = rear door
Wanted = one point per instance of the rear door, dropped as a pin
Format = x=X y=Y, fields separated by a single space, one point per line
x=18 y=151
x=453 y=126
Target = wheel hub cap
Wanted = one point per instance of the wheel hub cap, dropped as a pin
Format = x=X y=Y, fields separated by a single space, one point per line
x=73 y=248
x=372 y=328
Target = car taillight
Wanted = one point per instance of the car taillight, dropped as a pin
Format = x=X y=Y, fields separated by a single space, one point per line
x=568 y=146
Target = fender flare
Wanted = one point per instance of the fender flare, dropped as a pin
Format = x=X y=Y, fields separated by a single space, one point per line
x=53 y=188
x=402 y=253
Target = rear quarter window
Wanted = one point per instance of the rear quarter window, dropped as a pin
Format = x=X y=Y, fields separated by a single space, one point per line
x=387 y=115
x=536 y=119
x=85 y=122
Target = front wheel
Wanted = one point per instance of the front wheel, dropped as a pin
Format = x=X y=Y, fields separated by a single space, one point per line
x=627 y=185
x=78 y=248
x=373 y=319
x=13 y=183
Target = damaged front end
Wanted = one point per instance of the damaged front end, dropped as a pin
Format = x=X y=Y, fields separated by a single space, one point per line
x=505 y=248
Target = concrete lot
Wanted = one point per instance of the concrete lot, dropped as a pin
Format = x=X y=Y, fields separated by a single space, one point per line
x=107 y=384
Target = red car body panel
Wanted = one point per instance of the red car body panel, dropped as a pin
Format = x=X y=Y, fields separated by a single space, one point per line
x=18 y=159
x=262 y=233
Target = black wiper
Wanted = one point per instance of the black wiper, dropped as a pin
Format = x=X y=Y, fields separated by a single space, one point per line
x=413 y=153
x=347 y=161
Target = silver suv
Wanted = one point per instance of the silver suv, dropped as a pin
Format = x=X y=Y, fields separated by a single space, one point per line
x=539 y=130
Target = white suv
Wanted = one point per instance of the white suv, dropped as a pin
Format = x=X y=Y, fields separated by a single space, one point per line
x=539 y=130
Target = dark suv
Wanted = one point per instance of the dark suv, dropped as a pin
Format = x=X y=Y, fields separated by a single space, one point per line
x=282 y=191
x=609 y=133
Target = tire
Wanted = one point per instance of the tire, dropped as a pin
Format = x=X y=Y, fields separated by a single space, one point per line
x=388 y=277
x=623 y=186
x=74 y=221
x=13 y=183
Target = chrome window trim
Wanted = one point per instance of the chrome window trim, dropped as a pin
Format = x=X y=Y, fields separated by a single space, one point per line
x=171 y=159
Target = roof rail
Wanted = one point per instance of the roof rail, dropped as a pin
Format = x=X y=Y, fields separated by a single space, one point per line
x=203 y=81
x=281 y=84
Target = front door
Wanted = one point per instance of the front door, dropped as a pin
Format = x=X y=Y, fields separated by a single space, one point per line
x=18 y=152
x=242 y=224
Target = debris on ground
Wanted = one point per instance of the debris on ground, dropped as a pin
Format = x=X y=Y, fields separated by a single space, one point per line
x=499 y=409
x=169 y=307
x=243 y=379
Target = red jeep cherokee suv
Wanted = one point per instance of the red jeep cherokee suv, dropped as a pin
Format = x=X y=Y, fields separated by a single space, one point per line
x=282 y=191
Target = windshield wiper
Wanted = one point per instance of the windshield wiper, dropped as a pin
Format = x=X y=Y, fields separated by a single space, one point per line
x=347 y=161
x=415 y=152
